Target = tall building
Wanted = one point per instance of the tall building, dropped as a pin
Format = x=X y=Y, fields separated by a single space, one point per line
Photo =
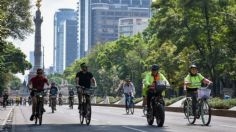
x=59 y=47
x=132 y=26
x=70 y=42
x=98 y=19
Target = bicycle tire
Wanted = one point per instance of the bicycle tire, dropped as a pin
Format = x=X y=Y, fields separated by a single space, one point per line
x=185 y=108
x=150 y=116
x=81 y=113
x=88 y=113
x=205 y=122
x=40 y=113
x=160 y=115
x=132 y=108
x=191 y=118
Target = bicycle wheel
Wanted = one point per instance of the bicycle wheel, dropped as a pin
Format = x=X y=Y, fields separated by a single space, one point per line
x=160 y=115
x=88 y=113
x=185 y=108
x=191 y=118
x=40 y=113
x=132 y=108
x=205 y=113
x=81 y=114
x=127 y=107
x=150 y=117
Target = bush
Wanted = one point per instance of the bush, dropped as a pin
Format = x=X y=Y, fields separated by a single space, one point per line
x=137 y=100
x=99 y=100
x=113 y=99
x=172 y=100
x=218 y=103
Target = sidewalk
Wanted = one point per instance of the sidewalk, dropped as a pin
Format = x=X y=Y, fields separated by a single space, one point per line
x=4 y=114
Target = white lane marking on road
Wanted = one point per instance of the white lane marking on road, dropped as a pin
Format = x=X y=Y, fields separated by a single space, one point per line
x=131 y=128
x=228 y=126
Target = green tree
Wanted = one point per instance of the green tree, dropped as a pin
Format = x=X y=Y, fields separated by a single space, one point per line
x=207 y=26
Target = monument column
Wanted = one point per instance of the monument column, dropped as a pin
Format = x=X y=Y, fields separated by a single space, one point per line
x=37 y=43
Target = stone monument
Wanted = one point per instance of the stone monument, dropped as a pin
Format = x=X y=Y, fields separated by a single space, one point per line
x=37 y=44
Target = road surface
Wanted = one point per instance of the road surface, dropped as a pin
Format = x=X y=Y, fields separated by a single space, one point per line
x=108 y=119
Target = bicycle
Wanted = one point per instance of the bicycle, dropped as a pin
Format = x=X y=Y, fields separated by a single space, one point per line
x=38 y=115
x=130 y=104
x=157 y=106
x=71 y=101
x=85 y=107
x=203 y=109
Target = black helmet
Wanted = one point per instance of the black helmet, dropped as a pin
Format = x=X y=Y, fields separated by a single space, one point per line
x=39 y=71
x=83 y=65
x=192 y=66
x=155 y=67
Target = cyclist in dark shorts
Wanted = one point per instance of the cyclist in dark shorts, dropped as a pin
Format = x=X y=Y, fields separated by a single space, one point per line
x=84 y=78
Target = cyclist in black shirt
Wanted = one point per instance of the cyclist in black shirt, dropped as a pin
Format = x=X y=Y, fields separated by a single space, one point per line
x=84 y=78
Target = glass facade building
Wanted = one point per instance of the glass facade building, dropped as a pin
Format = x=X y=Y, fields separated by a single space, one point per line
x=59 y=50
x=98 y=19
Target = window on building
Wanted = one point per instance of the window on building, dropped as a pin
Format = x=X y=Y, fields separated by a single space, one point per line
x=136 y=3
x=105 y=1
x=115 y=1
x=125 y=2
x=95 y=1
x=146 y=3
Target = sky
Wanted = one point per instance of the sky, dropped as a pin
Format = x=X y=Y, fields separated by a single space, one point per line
x=48 y=8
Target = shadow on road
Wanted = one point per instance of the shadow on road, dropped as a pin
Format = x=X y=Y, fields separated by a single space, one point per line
x=85 y=128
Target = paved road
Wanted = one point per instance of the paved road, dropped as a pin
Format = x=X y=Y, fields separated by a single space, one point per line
x=107 y=119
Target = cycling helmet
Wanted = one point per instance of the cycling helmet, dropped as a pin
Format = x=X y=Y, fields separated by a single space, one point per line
x=192 y=66
x=155 y=67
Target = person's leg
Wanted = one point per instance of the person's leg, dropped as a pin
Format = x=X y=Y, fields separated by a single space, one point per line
x=34 y=103
x=149 y=96
x=126 y=100
x=79 y=98
x=194 y=102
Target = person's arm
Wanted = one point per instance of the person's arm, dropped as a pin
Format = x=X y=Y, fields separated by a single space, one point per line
x=94 y=82
x=187 y=82
x=163 y=78
x=204 y=80
x=147 y=81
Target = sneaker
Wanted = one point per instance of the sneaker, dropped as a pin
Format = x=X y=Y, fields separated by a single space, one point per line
x=31 y=117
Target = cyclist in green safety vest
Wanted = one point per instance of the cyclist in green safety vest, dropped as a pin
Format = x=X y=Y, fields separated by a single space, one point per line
x=149 y=83
x=192 y=82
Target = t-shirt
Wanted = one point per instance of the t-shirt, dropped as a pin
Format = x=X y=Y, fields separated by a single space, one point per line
x=195 y=81
x=53 y=91
x=38 y=82
x=84 y=79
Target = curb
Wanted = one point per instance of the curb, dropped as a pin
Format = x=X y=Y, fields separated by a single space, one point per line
x=221 y=112
x=5 y=121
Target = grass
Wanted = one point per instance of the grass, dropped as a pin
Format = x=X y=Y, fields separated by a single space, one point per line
x=218 y=103
x=113 y=99
x=99 y=100
x=137 y=100
x=172 y=100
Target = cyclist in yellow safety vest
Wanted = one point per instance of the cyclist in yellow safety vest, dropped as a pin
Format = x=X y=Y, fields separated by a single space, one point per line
x=149 y=83
x=192 y=82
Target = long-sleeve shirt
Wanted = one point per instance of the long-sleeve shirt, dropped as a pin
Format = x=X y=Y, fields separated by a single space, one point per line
x=129 y=88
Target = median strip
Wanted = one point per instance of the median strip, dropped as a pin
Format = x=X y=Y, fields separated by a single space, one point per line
x=216 y=112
